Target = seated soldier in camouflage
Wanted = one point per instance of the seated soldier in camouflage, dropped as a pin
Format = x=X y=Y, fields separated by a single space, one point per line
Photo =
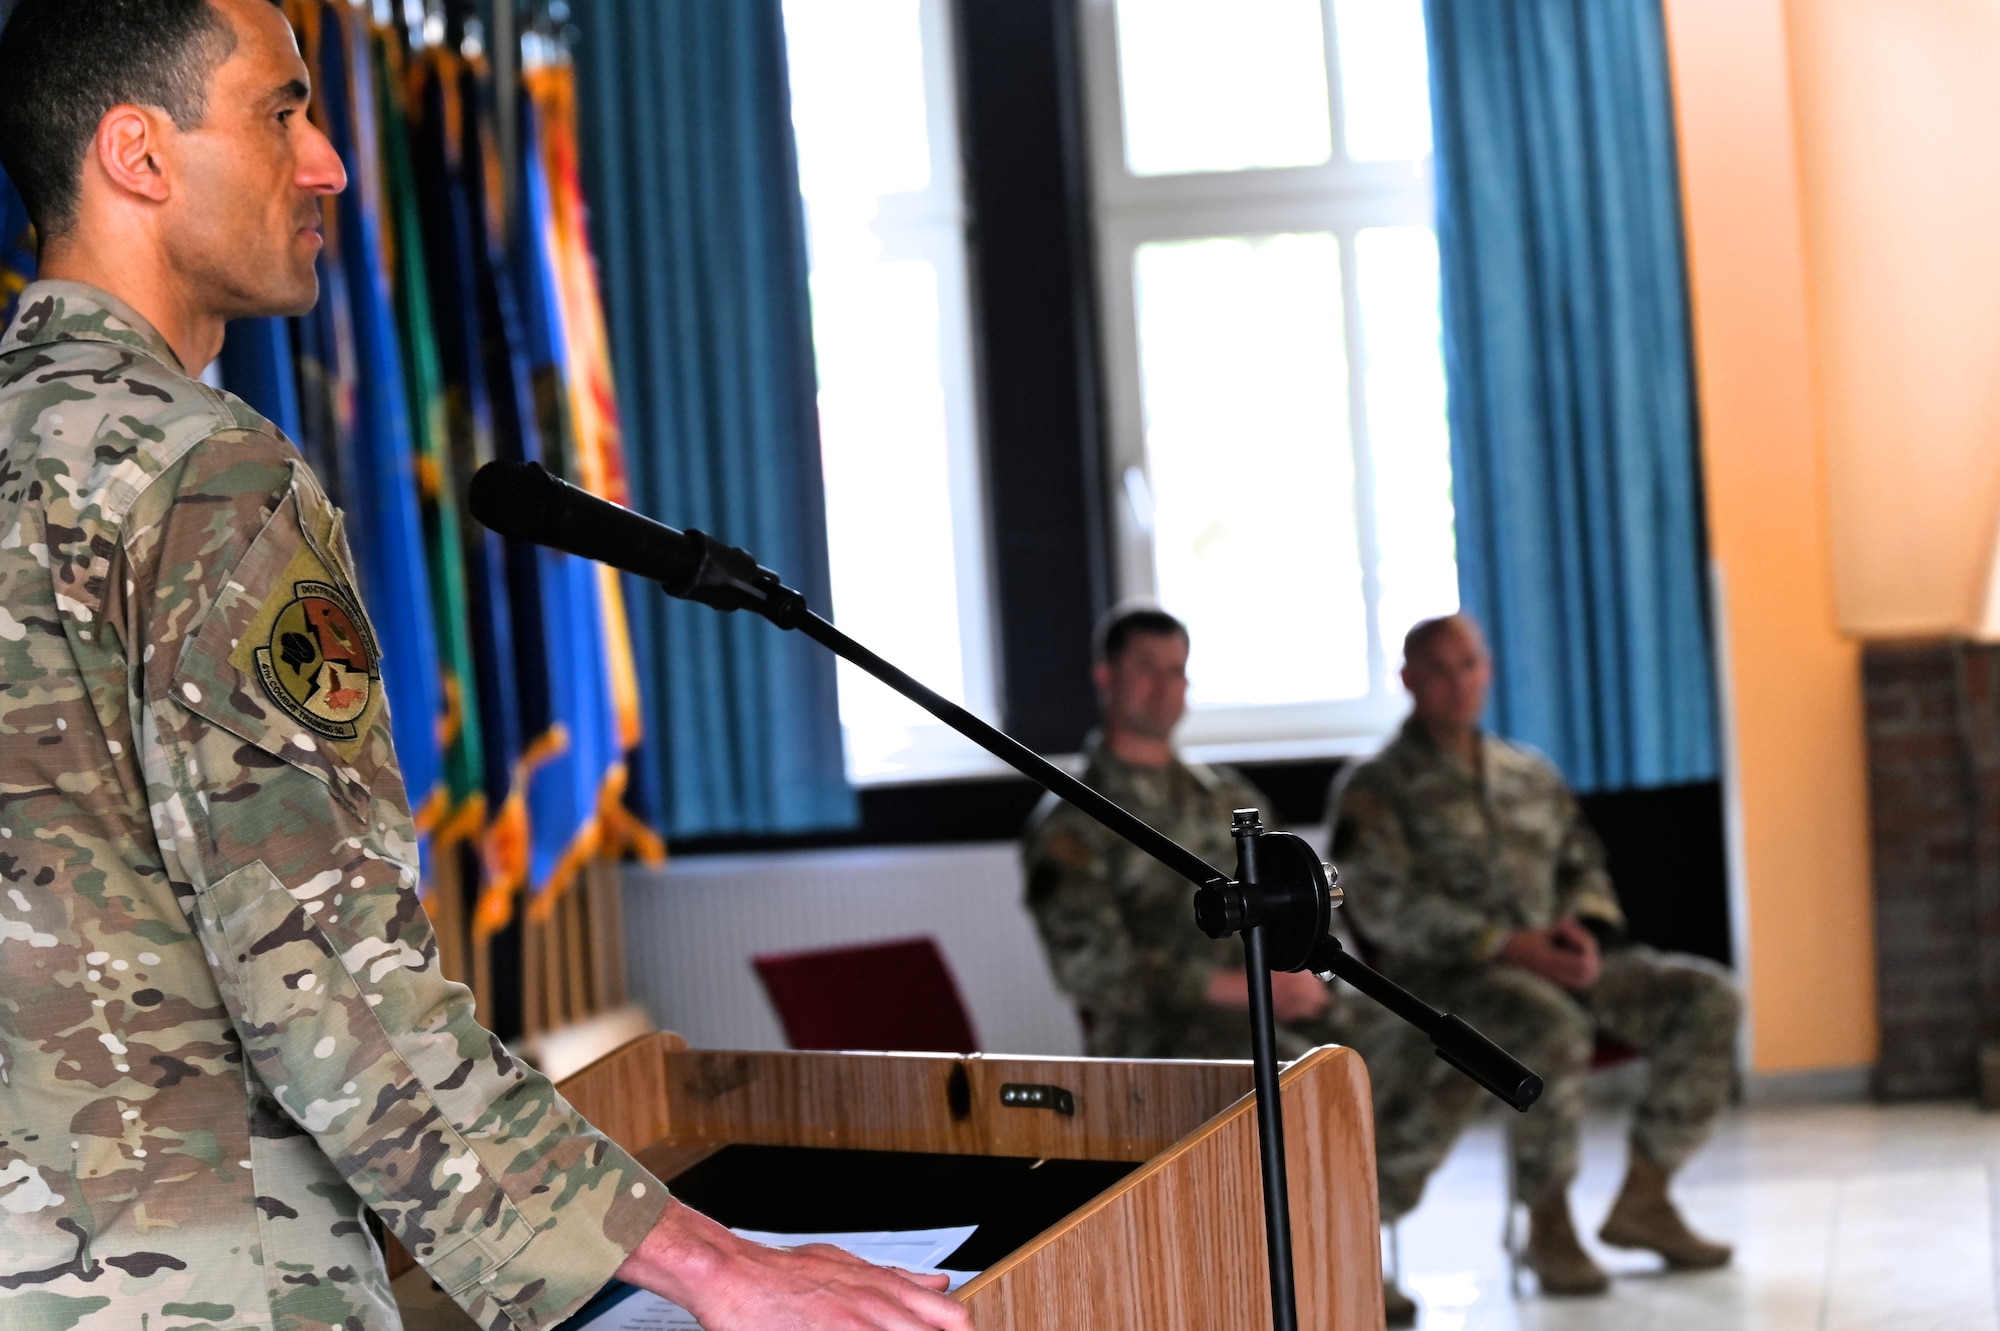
x=1471 y=877
x=1118 y=925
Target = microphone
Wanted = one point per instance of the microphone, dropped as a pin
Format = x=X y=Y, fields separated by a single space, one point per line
x=522 y=502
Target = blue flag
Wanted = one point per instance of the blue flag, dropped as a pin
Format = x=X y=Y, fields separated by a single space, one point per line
x=385 y=527
x=558 y=658
x=451 y=236
x=566 y=796
x=324 y=362
x=17 y=249
x=465 y=819
x=257 y=364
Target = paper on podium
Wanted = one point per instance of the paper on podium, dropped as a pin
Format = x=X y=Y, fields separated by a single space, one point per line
x=918 y=1250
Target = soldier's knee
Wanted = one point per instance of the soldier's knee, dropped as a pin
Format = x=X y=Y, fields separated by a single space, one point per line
x=1723 y=995
x=1570 y=1038
x=1540 y=1022
x=1557 y=1045
x=1563 y=1029
x=1715 y=1005
x=1516 y=997
x=1704 y=992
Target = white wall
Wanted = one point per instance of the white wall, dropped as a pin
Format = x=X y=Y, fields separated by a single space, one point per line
x=692 y=927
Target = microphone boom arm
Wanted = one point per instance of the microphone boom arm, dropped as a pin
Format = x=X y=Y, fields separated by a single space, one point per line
x=1456 y=1042
x=524 y=502
x=1280 y=900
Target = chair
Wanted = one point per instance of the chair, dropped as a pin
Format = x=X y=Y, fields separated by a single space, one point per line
x=893 y=995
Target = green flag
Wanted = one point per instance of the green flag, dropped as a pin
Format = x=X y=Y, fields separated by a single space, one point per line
x=465 y=817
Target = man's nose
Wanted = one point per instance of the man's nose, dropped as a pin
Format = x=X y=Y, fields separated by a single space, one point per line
x=320 y=168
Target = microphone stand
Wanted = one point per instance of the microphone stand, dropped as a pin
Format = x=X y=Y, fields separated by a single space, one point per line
x=1281 y=900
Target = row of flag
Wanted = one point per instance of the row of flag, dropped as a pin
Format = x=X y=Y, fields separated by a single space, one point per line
x=17 y=250
x=451 y=330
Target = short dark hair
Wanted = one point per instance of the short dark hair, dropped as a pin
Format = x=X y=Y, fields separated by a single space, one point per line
x=1121 y=622
x=64 y=63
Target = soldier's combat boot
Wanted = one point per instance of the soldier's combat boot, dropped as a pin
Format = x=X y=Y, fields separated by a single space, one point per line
x=1554 y=1255
x=1398 y=1308
x=1645 y=1217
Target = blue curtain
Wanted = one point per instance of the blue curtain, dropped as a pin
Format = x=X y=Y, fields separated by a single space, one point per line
x=1575 y=472
x=696 y=217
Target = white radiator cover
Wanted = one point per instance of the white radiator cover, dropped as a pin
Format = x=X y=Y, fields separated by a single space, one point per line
x=692 y=927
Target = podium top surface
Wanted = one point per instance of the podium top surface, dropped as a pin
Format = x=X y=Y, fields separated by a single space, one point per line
x=655 y=1092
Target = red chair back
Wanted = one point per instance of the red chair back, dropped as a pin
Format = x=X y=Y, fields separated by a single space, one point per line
x=1610 y=1053
x=894 y=995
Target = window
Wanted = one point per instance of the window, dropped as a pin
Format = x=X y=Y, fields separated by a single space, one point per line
x=874 y=112
x=1276 y=386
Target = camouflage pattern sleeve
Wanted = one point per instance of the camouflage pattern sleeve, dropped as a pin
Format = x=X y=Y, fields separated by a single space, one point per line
x=1394 y=915
x=1583 y=887
x=1074 y=894
x=264 y=747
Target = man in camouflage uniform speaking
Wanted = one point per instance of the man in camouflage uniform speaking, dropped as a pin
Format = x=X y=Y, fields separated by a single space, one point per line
x=223 y=1034
x=1473 y=881
x=1118 y=925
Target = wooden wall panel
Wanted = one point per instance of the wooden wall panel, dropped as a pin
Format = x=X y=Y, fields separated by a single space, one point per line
x=904 y=1102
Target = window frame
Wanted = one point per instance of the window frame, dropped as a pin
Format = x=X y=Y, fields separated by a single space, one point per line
x=1339 y=197
x=930 y=226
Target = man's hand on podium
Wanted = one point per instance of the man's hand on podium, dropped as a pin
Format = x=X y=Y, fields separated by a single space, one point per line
x=732 y=1284
x=1295 y=995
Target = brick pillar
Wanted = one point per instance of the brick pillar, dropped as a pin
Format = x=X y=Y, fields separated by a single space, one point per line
x=1934 y=813
x=1979 y=723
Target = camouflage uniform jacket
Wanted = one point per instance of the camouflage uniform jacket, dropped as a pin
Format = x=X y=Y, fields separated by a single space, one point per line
x=1440 y=863
x=223 y=1033
x=1118 y=926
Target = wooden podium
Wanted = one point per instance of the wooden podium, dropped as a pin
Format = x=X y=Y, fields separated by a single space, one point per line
x=1145 y=1173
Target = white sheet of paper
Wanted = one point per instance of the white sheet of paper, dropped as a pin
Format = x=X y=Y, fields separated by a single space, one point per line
x=917 y=1250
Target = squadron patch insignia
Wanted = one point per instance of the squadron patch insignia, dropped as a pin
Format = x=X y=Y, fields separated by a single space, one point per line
x=320 y=664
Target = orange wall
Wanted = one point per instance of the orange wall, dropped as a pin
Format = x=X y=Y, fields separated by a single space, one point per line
x=1899 y=146
x=1796 y=738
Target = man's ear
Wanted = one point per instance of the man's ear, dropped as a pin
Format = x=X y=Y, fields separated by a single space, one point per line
x=128 y=150
x=1100 y=675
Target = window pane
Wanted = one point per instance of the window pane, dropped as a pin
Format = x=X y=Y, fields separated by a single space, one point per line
x=1209 y=86
x=857 y=78
x=1244 y=380
x=860 y=112
x=1385 y=93
x=888 y=496
x=1411 y=448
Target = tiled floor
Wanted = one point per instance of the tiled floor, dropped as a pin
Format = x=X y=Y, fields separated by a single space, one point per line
x=1845 y=1218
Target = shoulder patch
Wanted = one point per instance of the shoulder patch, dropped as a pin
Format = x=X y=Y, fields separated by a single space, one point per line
x=311 y=648
x=285 y=657
x=319 y=662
